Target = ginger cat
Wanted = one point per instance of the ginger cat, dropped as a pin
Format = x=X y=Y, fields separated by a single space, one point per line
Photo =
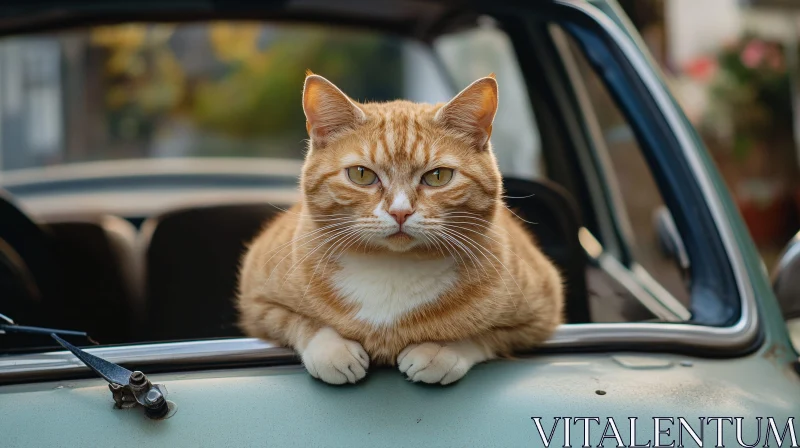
x=401 y=251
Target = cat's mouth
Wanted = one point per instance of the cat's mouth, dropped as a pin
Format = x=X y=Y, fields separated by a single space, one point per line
x=400 y=235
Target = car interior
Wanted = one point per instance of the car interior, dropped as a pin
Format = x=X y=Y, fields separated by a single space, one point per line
x=171 y=274
x=121 y=283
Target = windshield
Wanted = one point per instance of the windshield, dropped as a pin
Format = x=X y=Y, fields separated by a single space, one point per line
x=189 y=90
x=219 y=89
x=90 y=116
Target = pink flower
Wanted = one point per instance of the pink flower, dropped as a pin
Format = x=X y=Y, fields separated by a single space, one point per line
x=701 y=69
x=753 y=53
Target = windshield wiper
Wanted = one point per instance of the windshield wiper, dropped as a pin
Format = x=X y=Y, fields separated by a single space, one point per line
x=7 y=325
x=129 y=389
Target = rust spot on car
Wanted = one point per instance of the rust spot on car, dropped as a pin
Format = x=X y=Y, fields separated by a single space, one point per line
x=774 y=353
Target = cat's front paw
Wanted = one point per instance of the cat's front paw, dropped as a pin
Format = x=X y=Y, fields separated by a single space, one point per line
x=333 y=359
x=436 y=363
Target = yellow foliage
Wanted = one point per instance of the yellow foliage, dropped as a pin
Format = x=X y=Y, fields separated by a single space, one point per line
x=233 y=41
x=117 y=96
x=130 y=36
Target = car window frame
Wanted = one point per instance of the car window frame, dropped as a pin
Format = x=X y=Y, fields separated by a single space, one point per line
x=655 y=297
x=651 y=110
x=585 y=23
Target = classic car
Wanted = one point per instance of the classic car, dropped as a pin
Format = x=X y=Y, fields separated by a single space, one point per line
x=118 y=264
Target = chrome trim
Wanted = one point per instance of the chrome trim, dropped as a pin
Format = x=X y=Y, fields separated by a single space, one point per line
x=784 y=283
x=790 y=252
x=57 y=364
x=267 y=167
x=733 y=339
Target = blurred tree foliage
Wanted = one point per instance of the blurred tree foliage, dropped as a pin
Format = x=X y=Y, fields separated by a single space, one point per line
x=752 y=88
x=234 y=79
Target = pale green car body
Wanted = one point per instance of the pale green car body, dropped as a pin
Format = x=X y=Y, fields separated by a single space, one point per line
x=744 y=370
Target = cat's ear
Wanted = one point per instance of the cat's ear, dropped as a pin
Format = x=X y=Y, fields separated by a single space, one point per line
x=329 y=112
x=472 y=111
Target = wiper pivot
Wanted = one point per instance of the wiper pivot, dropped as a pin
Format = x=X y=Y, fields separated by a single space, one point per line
x=129 y=389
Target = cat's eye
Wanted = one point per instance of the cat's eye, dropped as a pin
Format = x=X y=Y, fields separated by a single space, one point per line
x=362 y=176
x=438 y=177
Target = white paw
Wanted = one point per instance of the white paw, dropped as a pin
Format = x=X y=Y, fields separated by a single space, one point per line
x=436 y=363
x=334 y=359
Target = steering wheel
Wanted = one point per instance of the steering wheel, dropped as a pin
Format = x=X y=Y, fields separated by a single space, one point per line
x=28 y=275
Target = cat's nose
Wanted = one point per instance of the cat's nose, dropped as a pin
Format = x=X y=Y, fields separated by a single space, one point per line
x=401 y=215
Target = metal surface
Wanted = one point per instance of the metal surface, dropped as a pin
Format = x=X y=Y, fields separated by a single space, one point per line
x=173 y=355
x=786 y=279
x=13 y=328
x=128 y=388
x=107 y=370
x=491 y=406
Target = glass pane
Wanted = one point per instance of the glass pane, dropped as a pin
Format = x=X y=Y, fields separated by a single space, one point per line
x=635 y=186
x=475 y=53
x=189 y=90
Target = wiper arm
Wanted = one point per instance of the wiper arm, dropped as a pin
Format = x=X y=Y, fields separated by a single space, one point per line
x=14 y=328
x=129 y=389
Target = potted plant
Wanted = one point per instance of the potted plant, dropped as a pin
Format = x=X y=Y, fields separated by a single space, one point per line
x=747 y=125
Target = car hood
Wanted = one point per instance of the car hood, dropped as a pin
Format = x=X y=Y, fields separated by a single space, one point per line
x=492 y=406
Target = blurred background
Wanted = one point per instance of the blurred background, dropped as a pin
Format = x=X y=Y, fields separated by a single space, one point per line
x=232 y=89
x=733 y=66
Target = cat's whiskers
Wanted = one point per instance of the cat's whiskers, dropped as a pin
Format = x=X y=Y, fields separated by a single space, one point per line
x=456 y=245
x=518 y=197
x=466 y=240
x=298 y=263
x=473 y=216
x=504 y=246
x=485 y=251
x=455 y=225
x=463 y=263
x=519 y=217
x=295 y=248
x=448 y=247
x=324 y=230
x=429 y=241
x=482 y=265
x=476 y=224
x=354 y=232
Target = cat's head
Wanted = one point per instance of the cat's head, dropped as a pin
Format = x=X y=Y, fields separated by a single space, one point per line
x=401 y=176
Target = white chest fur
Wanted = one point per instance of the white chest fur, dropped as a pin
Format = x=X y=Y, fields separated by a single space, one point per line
x=386 y=287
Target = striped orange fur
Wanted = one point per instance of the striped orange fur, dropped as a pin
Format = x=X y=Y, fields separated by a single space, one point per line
x=386 y=262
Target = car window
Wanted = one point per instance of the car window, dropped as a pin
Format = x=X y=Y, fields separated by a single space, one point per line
x=640 y=210
x=189 y=90
x=471 y=54
x=231 y=89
